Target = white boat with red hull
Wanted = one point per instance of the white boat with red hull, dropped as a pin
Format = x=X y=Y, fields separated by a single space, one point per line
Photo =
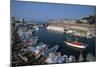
x=76 y=44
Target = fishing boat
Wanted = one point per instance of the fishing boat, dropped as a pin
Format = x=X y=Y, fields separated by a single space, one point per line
x=38 y=50
x=63 y=59
x=76 y=44
x=89 y=36
x=90 y=58
x=36 y=28
x=52 y=49
x=55 y=57
x=69 y=32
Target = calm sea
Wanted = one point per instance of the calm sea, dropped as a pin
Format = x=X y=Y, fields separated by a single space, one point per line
x=52 y=38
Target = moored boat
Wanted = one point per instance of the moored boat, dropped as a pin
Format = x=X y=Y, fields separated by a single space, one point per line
x=76 y=44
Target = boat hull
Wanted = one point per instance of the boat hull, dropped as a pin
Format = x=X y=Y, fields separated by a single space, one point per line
x=76 y=46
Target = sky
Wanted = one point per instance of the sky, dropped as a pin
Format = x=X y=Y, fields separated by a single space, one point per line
x=45 y=11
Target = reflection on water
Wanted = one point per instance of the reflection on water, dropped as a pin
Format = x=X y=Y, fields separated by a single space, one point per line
x=55 y=38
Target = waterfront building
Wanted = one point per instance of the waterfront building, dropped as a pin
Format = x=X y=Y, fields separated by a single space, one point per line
x=87 y=29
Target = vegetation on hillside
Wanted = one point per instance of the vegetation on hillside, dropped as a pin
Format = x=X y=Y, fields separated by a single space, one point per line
x=91 y=19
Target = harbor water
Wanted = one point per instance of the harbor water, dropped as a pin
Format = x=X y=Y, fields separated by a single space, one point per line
x=52 y=38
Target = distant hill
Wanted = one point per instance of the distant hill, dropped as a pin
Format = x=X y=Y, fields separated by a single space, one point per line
x=91 y=19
